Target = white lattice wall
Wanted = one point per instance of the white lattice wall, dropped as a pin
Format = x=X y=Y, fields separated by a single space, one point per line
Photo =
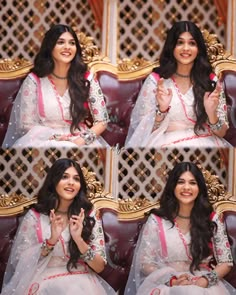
x=23 y=170
x=143 y=172
x=24 y=22
x=143 y=23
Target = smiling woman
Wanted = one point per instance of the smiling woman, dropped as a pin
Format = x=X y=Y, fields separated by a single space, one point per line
x=57 y=97
x=189 y=252
x=181 y=103
x=60 y=240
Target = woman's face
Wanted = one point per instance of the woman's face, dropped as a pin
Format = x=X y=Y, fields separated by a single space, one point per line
x=69 y=185
x=186 y=190
x=65 y=48
x=186 y=49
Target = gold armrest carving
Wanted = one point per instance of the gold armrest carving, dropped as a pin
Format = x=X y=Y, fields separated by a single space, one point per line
x=14 y=204
x=220 y=59
x=11 y=68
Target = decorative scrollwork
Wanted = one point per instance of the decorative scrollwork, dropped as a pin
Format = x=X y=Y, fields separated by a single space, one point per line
x=8 y=64
x=132 y=64
x=90 y=51
x=132 y=205
x=216 y=190
x=12 y=200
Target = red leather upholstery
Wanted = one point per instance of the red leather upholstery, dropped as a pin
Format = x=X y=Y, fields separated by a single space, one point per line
x=229 y=78
x=120 y=97
x=120 y=239
x=8 y=91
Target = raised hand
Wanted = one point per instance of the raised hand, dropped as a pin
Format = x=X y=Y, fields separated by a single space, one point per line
x=76 y=225
x=163 y=95
x=57 y=226
x=211 y=100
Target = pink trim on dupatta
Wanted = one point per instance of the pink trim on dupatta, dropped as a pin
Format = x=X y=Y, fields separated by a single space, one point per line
x=40 y=96
x=38 y=226
x=162 y=236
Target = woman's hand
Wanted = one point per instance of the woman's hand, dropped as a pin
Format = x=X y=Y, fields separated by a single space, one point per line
x=163 y=96
x=79 y=141
x=201 y=282
x=56 y=226
x=76 y=225
x=211 y=102
x=182 y=280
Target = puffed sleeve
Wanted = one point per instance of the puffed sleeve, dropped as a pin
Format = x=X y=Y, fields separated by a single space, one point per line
x=96 y=101
x=221 y=246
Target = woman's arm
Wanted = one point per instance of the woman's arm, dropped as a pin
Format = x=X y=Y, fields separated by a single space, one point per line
x=28 y=104
x=216 y=109
x=93 y=253
x=222 y=252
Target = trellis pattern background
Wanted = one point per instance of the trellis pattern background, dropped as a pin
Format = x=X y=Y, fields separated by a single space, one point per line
x=23 y=170
x=143 y=23
x=24 y=22
x=143 y=172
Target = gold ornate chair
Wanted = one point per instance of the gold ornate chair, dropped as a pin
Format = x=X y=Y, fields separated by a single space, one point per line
x=122 y=221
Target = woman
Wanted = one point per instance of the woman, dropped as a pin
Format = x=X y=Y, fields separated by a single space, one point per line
x=60 y=243
x=176 y=250
x=56 y=97
x=180 y=103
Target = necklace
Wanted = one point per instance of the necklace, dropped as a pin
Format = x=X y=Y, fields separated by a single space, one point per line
x=183 y=217
x=181 y=75
x=61 y=212
x=59 y=77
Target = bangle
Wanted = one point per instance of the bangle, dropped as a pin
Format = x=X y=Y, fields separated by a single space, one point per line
x=49 y=244
x=88 y=255
x=217 y=125
x=172 y=279
x=46 y=250
x=212 y=278
x=169 y=283
x=88 y=136
x=159 y=112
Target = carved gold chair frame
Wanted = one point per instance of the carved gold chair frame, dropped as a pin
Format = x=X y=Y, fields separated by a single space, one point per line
x=127 y=209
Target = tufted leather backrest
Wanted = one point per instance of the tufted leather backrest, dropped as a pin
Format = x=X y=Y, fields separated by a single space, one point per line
x=120 y=97
x=8 y=91
x=229 y=85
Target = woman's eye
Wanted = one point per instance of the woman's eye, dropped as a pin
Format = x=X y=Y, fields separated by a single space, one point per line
x=180 y=182
x=60 y=42
x=72 y=43
x=179 y=42
x=77 y=179
x=64 y=176
x=192 y=43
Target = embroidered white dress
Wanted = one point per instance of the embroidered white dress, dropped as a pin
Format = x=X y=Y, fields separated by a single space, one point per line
x=177 y=128
x=162 y=251
x=29 y=274
x=39 y=112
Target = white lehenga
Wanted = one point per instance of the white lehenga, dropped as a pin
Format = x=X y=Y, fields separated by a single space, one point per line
x=177 y=129
x=39 y=112
x=29 y=274
x=161 y=253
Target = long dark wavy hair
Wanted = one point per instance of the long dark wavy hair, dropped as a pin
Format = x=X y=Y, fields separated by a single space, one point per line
x=202 y=227
x=201 y=70
x=48 y=199
x=78 y=84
